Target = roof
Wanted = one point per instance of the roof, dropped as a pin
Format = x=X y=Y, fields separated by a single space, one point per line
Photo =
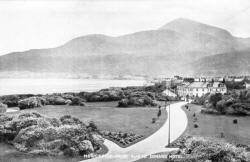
x=198 y=85
x=205 y=84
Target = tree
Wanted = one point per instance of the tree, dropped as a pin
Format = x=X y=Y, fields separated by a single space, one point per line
x=214 y=98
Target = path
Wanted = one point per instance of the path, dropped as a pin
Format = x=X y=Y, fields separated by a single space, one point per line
x=12 y=110
x=153 y=144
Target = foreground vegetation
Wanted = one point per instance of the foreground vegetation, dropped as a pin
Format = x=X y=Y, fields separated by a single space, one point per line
x=118 y=121
x=200 y=149
x=36 y=134
x=203 y=149
x=208 y=137
x=232 y=103
x=109 y=118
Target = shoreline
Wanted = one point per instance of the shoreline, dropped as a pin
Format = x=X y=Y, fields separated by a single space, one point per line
x=47 y=86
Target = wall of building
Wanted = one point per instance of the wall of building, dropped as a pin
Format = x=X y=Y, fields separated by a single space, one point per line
x=183 y=91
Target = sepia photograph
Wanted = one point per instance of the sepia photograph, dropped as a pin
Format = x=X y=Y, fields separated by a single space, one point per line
x=124 y=81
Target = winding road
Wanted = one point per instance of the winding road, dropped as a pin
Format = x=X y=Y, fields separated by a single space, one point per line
x=153 y=144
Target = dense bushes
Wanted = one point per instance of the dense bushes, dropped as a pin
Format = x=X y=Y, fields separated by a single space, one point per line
x=77 y=101
x=121 y=137
x=138 y=99
x=36 y=134
x=56 y=100
x=24 y=101
x=10 y=100
x=128 y=96
x=3 y=108
x=112 y=94
x=197 y=149
x=31 y=102
x=230 y=104
x=214 y=98
x=200 y=100
x=235 y=85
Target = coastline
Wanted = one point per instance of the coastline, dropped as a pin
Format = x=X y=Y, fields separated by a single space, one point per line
x=46 y=86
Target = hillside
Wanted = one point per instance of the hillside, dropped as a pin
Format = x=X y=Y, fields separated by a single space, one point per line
x=167 y=50
x=224 y=64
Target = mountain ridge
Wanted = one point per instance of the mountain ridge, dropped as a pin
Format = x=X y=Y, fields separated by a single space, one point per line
x=168 y=50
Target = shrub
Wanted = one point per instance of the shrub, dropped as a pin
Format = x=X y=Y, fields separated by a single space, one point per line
x=92 y=126
x=55 y=100
x=31 y=102
x=210 y=111
x=196 y=126
x=205 y=149
x=214 y=98
x=221 y=107
x=123 y=103
x=3 y=108
x=67 y=96
x=35 y=134
x=137 y=100
x=241 y=108
x=77 y=101
x=234 y=85
x=10 y=100
x=200 y=100
x=68 y=120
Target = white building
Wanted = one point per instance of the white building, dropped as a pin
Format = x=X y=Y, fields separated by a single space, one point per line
x=239 y=79
x=167 y=92
x=200 y=88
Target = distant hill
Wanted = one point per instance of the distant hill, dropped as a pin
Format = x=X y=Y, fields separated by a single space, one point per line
x=224 y=64
x=171 y=49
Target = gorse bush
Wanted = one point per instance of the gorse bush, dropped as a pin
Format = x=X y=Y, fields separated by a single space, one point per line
x=31 y=102
x=233 y=103
x=10 y=100
x=197 y=149
x=36 y=134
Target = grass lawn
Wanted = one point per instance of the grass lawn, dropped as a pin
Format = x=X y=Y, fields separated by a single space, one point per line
x=105 y=114
x=109 y=117
x=213 y=126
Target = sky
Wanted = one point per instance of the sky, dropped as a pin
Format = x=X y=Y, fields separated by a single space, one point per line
x=32 y=24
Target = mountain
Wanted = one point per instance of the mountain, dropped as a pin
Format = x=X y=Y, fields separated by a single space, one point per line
x=169 y=50
x=224 y=64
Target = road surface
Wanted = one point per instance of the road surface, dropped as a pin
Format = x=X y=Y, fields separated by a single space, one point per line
x=153 y=144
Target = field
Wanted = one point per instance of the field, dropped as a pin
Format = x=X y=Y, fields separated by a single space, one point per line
x=217 y=126
x=109 y=117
